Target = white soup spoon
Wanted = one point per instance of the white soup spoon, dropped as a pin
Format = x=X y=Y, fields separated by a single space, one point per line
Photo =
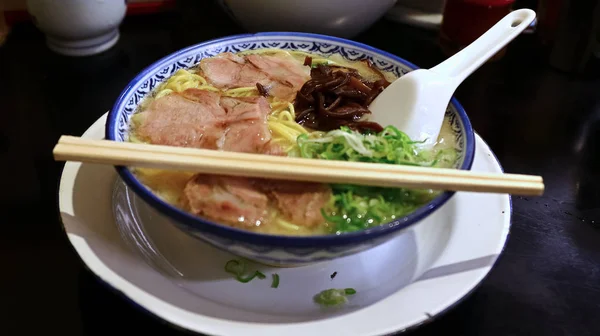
x=416 y=102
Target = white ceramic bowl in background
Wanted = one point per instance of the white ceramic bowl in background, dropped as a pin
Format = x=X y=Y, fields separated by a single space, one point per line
x=341 y=18
x=78 y=27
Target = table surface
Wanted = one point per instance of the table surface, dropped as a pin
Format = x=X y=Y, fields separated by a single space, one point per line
x=536 y=119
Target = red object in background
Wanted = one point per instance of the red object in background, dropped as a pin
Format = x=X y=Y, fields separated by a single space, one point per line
x=465 y=20
x=548 y=14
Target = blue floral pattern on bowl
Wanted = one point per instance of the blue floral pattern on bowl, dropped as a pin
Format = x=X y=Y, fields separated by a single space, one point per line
x=271 y=249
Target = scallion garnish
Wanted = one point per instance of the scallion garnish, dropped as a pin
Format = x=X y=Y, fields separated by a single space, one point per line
x=238 y=269
x=354 y=207
x=275 y=282
x=334 y=296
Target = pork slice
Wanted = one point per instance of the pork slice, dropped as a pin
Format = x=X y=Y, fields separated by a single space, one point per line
x=299 y=202
x=245 y=137
x=188 y=135
x=282 y=68
x=272 y=148
x=190 y=119
x=234 y=201
x=204 y=119
x=211 y=100
x=232 y=57
x=227 y=71
x=245 y=108
x=247 y=129
x=281 y=75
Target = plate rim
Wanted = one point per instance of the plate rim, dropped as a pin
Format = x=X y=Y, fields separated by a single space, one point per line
x=96 y=268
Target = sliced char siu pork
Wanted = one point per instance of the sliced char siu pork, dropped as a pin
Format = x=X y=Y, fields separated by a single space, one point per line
x=281 y=76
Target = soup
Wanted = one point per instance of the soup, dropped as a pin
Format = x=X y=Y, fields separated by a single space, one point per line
x=286 y=103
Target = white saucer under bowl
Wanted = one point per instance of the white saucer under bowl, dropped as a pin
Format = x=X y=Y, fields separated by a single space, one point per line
x=399 y=285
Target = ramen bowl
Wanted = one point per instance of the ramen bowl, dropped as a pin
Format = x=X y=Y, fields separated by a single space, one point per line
x=279 y=250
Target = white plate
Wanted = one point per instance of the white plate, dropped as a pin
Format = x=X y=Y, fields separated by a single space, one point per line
x=399 y=285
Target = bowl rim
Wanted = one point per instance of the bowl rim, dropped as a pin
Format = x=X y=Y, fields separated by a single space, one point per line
x=211 y=227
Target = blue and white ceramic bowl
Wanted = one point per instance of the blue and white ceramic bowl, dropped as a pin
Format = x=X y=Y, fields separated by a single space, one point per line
x=271 y=249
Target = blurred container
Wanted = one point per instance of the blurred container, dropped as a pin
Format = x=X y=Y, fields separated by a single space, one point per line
x=465 y=20
x=78 y=27
x=548 y=14
x=573 y=36
x=341 y=18
x=3 y=29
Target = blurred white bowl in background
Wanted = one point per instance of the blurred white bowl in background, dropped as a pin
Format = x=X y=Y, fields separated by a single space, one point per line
x=78 y=27
x=341 y=18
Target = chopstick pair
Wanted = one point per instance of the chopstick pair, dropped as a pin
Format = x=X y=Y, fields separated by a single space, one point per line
x=71 y=148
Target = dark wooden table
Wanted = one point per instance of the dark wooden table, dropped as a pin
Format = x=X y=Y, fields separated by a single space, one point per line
x=536 y=119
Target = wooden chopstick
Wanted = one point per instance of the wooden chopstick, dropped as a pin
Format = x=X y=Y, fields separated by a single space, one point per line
x=237 y=157
x=299 y=169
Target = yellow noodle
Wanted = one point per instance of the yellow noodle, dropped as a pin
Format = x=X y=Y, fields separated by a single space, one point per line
x=287 y=225
x=181 y=81
x=137 y=119
x=242 y=92
x=282 y=123
x=133 y=138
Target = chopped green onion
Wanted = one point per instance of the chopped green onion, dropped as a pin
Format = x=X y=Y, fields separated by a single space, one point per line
x=238 y=269
x=333 y=296
x=275 y=282
x=246 y=279
x=350 y=291
x=388 y=146
x=353 y=207
x=235 y=267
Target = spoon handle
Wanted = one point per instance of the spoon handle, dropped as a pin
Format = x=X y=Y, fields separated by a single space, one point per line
x=469 y=59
